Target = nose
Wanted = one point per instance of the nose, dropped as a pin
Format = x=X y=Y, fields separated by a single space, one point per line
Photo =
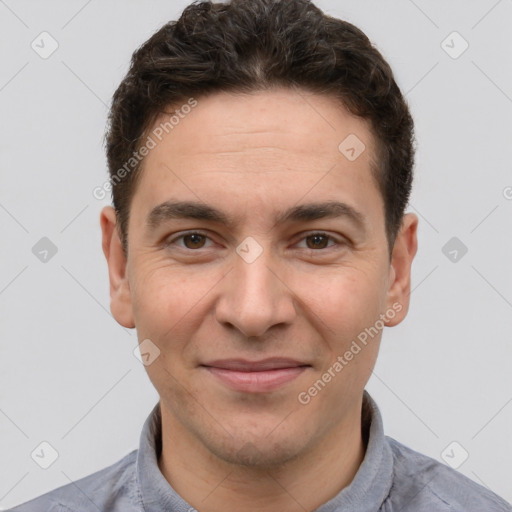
x=255 y=297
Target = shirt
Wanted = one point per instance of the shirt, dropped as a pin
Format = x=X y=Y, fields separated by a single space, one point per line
x=391 y=478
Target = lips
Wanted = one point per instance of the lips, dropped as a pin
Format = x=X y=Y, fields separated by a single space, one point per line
x=255 y=376
x=243 y=365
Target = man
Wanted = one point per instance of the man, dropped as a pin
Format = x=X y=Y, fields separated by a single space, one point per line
x=261 y=160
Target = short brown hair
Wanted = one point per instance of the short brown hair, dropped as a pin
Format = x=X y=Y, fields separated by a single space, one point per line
x=250 y=45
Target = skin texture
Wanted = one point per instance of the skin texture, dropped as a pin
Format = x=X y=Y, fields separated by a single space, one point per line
x=254 y=156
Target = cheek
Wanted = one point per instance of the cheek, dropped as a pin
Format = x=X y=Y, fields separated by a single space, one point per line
x=169 y=303
x=155 y=293
x=346 y=300
x=165 y=305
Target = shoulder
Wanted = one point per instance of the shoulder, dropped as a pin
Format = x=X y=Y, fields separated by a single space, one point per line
x=112 y=488
x=421 y=483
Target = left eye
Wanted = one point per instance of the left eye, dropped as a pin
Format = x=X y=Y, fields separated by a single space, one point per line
x=318 y=241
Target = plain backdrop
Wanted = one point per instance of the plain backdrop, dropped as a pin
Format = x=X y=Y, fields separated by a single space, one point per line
x=68 y=375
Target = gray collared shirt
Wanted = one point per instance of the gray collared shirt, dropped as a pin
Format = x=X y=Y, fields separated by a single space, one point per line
x=391 y=478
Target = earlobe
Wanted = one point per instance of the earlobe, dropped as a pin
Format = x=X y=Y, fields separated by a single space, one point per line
x=120 y=296
x=404 y=250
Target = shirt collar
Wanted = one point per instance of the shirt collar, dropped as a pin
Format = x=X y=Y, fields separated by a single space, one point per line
x=365 y=493
x=371 y=485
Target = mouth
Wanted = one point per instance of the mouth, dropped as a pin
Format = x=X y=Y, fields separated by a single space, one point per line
x=255 y=376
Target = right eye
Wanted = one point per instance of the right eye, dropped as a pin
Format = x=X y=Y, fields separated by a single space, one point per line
x=192 y=240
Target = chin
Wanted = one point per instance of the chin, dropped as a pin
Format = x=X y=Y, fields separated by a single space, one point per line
x=256 y=452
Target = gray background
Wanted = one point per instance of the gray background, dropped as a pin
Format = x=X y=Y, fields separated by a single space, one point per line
x=68 y=375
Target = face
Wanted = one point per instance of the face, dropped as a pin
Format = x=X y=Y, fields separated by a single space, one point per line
x=259 y=282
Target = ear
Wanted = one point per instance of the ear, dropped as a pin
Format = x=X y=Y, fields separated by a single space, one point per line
x=404 y=250
x=120 y=297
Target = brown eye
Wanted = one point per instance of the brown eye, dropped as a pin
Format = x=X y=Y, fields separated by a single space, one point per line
x=194 y=241
x=317 y=241
x=189 y=242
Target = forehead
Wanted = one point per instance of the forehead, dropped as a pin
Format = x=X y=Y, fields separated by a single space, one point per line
x=293 y=120
x=262 y=150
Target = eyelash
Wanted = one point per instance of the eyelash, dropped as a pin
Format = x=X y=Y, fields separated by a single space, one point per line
x=308 y=235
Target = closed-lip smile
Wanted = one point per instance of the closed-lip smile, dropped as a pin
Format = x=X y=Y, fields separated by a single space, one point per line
x=260 y=376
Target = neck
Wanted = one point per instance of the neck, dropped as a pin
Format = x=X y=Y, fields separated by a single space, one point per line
x=210 y=484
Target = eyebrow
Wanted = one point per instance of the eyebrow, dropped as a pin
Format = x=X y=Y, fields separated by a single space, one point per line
x=302 y=213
